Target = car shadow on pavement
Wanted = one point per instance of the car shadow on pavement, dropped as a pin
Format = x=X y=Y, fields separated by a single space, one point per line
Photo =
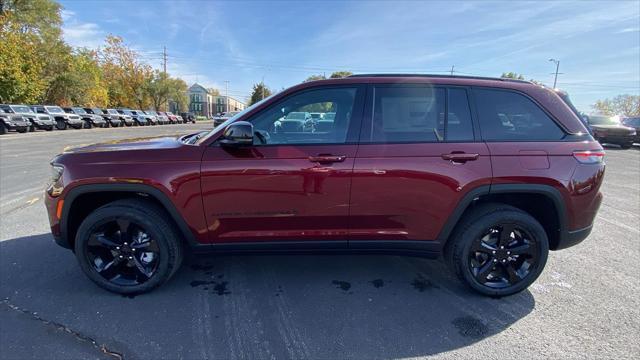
x=255 y=306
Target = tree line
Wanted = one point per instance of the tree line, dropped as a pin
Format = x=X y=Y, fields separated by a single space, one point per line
x=261 y=91
x=38 y=67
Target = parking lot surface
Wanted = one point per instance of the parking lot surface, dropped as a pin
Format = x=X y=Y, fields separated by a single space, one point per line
x=586 y=304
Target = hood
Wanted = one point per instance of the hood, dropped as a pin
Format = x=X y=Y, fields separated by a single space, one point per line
x=146 y=143
x=618 y=129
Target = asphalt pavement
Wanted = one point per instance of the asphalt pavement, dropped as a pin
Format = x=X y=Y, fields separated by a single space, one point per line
x=586 y=304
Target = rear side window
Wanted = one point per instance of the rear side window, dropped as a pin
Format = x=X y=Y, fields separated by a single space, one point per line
x=419 y=114
x=509 y=116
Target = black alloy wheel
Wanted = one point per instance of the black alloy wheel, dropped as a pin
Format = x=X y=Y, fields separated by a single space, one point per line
x=122 y=252
x=503 y=256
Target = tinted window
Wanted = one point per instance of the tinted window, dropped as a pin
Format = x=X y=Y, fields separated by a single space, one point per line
x=508 y=116
x=459 y=126
x=417 y=114
x=286 y=122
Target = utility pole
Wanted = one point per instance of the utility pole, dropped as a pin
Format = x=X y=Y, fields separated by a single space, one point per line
x=164 y=68
x=555 y=79
x=452 y=67
x=226 y=96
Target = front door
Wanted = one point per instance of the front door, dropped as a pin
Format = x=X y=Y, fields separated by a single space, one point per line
x=418 y=157
x=293 y=184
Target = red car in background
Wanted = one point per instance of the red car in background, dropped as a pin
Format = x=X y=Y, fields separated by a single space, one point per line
x=489 y=173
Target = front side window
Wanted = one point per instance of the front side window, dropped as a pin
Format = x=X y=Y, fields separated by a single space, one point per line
x=509 y=116
x=289 y=121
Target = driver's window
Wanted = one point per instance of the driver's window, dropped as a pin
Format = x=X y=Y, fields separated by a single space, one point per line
x=319 y=116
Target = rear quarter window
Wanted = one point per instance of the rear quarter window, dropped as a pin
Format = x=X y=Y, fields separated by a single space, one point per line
x=510 y=116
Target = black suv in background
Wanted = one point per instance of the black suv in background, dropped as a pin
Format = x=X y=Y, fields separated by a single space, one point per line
x=633 y=122
x=37 y=121
x=609 y=130
x=90 y=120
x=62 y=119
x=11 y=121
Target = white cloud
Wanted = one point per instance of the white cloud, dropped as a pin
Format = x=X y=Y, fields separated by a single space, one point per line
x=628 y=30
x=79 y=34
x=66 y=14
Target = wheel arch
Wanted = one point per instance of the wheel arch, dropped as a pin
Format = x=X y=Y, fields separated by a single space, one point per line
x=83 y=199
x=544 y=202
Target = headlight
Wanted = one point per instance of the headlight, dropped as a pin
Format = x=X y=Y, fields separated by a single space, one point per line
x=55 y=186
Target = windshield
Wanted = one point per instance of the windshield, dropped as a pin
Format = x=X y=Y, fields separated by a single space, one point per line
x=296 y=116
x=96 y=111
x=112 y=111
x=127 y=112
x=150 y=112
x=78 y=110
x=603 y=120
x=54 y=109
x=21 y=109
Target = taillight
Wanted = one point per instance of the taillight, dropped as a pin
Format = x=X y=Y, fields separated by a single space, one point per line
x=589 y=156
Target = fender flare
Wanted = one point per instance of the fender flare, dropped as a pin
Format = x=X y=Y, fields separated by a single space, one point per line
x=149 y=190
x=548 y=191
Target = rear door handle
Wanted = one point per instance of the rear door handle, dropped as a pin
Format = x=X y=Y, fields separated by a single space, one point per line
x=327 y=159
x=460 y=157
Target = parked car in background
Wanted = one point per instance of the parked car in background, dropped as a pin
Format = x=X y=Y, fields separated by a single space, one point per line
x=217 y=120
x=90 y=120
x=155 y=116
x=633 y=122
x=149 y=119
x=174 y=119
x=127 y=120
x=37 y=121
x=162 y=117
x=137 y=120
x=62 y=119
x=188 y=117
x=12 y=121
x=109 y=121
x=408 y=167
x=609 y=129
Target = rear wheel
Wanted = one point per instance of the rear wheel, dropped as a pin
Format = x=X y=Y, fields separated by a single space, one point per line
x=498 y=250
x=3 y=128
x=128 y=247
x=32 y=128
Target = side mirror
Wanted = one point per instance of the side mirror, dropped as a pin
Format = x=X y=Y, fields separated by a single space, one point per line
x=240 y=133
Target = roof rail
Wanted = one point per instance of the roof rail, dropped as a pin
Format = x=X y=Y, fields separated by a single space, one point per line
x=441 y=76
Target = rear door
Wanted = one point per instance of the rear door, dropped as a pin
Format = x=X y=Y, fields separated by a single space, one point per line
x=419 y=154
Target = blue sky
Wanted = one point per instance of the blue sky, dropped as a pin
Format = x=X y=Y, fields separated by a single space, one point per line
x=598 y=43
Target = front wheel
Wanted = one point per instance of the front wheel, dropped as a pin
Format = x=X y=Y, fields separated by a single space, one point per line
x=498 y=250
x=61 y=124
x=128 y=247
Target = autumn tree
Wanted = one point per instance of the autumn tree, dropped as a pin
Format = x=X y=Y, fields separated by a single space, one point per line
x=126 y=76
x=625 y=105
x=315 y=77
x=512 y=75
x=259 y=92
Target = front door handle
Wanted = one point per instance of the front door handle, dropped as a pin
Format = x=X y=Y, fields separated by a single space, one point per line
x=327 y=159
x=460 y=157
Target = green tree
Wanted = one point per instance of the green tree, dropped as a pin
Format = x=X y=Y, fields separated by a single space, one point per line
x=81 y=82
x=315 y=77
x=340 y=74
x=625 y=105
x=20 y=65
x=512 y=75
x=259 y=92
x=178 y=93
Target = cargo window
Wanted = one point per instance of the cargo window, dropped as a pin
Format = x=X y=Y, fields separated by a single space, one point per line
x=509 y=116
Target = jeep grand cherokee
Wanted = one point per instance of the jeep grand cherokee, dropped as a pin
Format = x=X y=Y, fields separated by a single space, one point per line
x=490 y=173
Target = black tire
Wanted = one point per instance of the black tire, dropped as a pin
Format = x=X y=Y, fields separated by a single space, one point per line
x=626 y=146
x=3 y=128
x=32 y=128
x=61 y=124
x=88 y=125
x=22 y=130
x=142 y=215
x=482 y=222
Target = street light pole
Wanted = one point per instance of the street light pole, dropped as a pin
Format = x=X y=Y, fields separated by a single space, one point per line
x=555 y=79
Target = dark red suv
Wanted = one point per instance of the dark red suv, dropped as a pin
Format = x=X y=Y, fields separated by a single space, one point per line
x=491 y=173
